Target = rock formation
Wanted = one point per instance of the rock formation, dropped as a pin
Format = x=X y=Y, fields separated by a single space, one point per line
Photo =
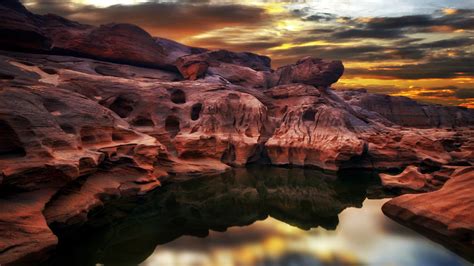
x=407 y=112
x=444 y=215
x=82 y=122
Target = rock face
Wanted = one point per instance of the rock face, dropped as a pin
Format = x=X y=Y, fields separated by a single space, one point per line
x=76 y=131
x=444 y=215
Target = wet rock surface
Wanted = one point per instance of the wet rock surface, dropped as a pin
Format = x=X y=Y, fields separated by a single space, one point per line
x=84 y=123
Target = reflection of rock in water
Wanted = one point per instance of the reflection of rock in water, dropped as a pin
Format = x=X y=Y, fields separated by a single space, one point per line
x=128 y=230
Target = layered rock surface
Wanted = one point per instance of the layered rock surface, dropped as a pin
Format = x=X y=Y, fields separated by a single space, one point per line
x=78 y=130
x=445 y=215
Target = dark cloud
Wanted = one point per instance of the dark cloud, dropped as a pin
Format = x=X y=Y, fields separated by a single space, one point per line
x=462 y=19
x=448 y=43
x=363 y=34
x=445 y=67
x=170 y=20
x=254 y=45
x=363 y=52
x=383 y=23
x=465 y=93
x=436 y=94
x=320 y=17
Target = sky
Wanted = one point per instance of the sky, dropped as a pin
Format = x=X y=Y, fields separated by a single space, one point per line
x=422 y=49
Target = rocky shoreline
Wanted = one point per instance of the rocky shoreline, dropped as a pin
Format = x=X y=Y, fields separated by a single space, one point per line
x=84 y=121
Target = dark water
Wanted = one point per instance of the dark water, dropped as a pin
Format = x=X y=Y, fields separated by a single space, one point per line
x=254 y=216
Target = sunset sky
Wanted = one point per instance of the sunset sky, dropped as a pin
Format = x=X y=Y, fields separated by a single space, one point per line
x=423 y=49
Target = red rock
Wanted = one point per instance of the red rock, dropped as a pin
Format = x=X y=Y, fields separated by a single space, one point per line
x=444 y=215
x=120 y=128
x=410 y=178
x=122 y=43
x=19 y=30
x=192 y=70
x=311 y=71
x=26 y=238
x=215 y=58
x=244 y=69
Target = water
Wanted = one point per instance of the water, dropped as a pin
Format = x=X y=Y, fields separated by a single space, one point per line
x=254 y=216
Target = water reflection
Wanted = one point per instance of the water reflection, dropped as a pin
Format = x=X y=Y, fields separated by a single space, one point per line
x=142 y=230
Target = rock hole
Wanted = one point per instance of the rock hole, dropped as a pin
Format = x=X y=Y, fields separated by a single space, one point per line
x=141 y=121
x=196 y=111
x=6 y=76
x=10 y=144
x=68 y=128
x=309 y=115
x=49 y=71
x=53 y=105
x=172 y=125
x=122 y=106
x=178 y=96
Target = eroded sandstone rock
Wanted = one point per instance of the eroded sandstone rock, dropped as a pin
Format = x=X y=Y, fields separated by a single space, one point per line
x=444 y=215
x=80 y=132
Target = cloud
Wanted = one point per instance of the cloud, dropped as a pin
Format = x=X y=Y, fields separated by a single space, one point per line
x=383 y=23
x=363 y=33
x=170 y=20
x=465 y=93
x=434 y=68
x=320 y=17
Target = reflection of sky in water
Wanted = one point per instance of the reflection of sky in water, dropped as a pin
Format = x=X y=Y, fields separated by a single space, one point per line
x=363 y=236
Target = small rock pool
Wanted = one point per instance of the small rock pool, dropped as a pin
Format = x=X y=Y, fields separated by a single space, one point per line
x=254 y=216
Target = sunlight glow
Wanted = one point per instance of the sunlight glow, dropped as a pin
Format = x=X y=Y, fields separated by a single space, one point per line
x=107 y=3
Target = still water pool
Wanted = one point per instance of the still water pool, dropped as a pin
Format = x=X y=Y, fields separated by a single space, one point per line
x=253 y=216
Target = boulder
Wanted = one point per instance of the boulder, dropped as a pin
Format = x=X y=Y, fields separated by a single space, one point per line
x=310 y=71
